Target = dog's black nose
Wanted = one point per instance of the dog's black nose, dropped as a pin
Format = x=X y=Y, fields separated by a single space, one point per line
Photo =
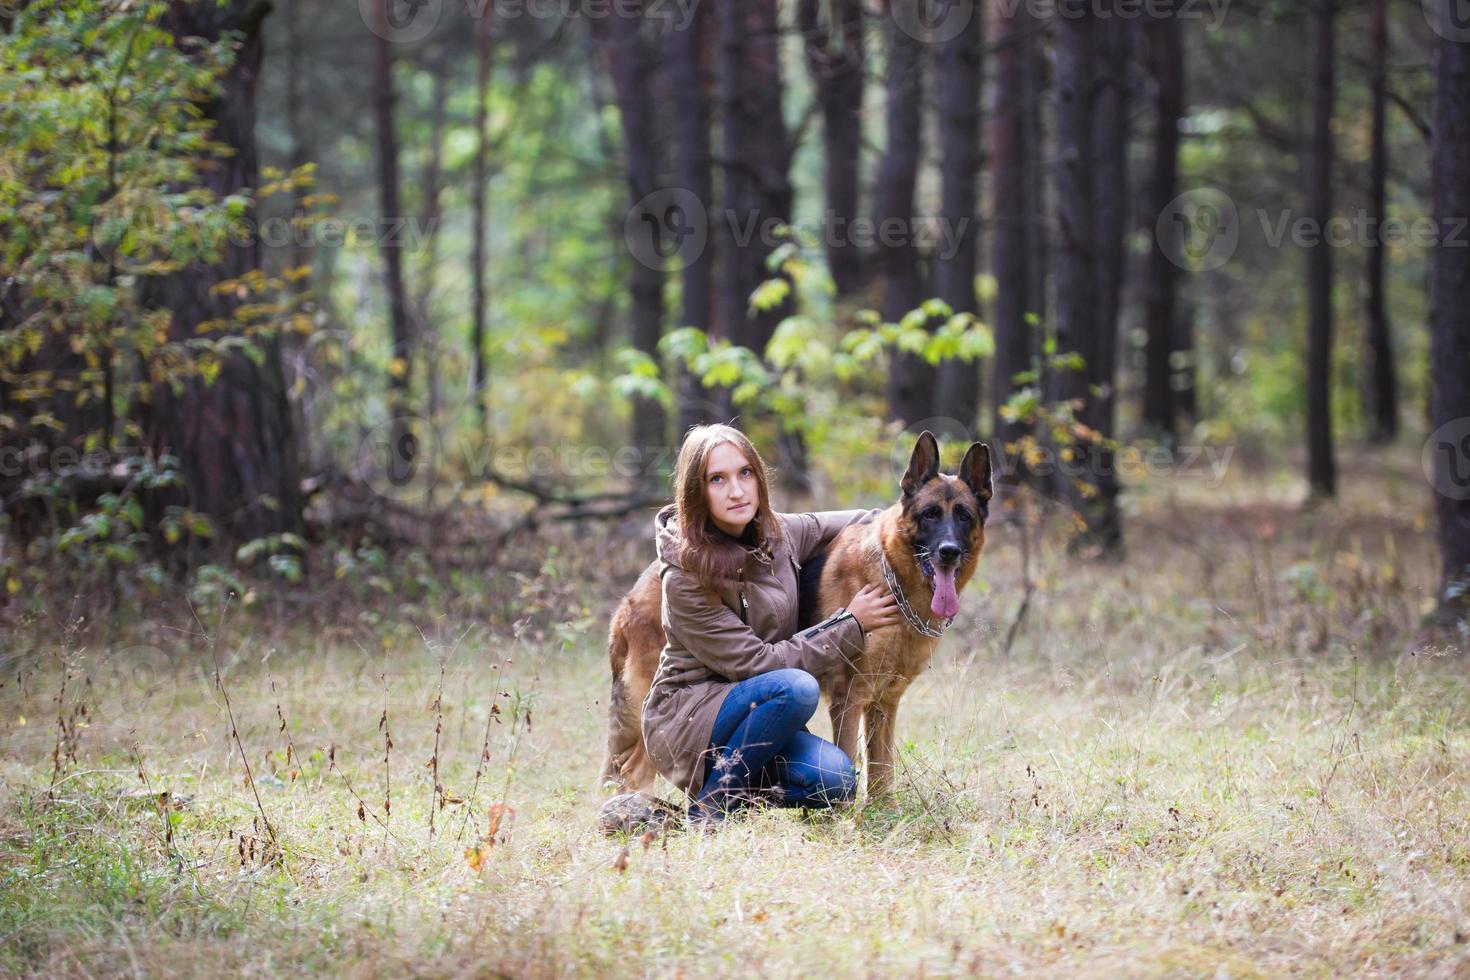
x=949 y=553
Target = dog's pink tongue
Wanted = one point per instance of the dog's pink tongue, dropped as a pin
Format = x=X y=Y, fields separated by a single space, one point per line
x=946 y=603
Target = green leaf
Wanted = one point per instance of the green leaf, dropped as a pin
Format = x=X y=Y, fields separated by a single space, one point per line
x=769 y=295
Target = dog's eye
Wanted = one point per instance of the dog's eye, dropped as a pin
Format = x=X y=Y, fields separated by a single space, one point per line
x=931 y=514
x=963 y=515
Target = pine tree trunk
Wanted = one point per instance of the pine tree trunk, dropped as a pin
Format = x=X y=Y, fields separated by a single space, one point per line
x=630 y=57
x=958 y=82
x=233 y=438
x=1166 y=64
x=1111 y=196
x=834 y=53
x=1321 y=469
x=911 y=380
x=689 y=95
x=756 y=161
x=768 y=150
x=426 y=329
x=1449 y=324
x=403 y=446
x=479 y=216
x=1011 y=239
x=1075 y=262
x=1382 y=386
x=735 y=240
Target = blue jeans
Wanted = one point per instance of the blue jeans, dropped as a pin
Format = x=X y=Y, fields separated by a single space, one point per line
x=761 y=743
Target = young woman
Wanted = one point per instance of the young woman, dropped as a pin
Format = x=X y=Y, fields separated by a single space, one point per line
x=725 y=718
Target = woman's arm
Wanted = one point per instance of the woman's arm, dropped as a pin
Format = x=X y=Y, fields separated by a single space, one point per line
x=715 y=635
x=816 y=530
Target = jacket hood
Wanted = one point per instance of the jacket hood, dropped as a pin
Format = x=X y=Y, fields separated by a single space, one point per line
x=666 y=535
x=730 y=555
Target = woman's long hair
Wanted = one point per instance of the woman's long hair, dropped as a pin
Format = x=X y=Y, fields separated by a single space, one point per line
x=705 y=550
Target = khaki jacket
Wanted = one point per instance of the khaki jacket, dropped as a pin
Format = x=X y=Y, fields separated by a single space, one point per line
x=749 y=629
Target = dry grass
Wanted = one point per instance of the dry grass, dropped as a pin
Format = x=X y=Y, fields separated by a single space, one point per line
x=1224 y=755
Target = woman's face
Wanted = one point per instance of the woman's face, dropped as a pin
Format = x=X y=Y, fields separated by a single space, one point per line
x=730 y=489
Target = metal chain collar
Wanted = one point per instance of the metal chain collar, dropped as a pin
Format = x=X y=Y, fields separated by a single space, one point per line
x=891 y=580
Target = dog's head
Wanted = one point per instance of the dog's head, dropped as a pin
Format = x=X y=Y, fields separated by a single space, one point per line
x=944 y=517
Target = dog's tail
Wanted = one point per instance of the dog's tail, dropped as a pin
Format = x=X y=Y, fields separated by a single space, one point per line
x=626 y=765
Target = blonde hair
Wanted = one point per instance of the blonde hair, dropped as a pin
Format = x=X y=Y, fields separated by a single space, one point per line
x=709 y=555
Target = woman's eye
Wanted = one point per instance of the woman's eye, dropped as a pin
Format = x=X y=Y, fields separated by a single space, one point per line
x=714 y=479
x=747 y=471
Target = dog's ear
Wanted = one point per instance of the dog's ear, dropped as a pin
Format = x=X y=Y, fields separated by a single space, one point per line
x=975 y=471
x=923 y=464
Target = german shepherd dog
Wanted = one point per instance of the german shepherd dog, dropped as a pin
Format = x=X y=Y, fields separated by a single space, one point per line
x=924 y=549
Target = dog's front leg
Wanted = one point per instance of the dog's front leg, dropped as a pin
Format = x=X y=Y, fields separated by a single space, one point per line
x=847 y=719
x=881 y=728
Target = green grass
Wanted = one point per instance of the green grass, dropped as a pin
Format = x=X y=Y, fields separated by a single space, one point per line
x=1224 y=755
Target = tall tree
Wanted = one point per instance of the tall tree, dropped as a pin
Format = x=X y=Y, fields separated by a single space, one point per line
x=403 y=448
x=1076 y=43
x=1321 y=468
x=479 y=215
x=755 y=164
x=1010 y=245
x=1449 y=326
x=633 y=64
x=958 y=82
x=426 y=330
x=834 y=54
x=1166 y=65
x=1382 y=386
x=911 y=379
x=233 y=438
x=689 y=96
x=1111 y=192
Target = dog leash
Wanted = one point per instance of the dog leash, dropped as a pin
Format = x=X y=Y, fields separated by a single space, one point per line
x=891 y=580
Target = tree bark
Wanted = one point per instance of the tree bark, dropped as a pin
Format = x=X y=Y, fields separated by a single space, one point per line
x=1449 y=322
x=1110 y=111
x=755 y=162
x=632 y=64
x=1382 y=386
x=736 y=179
x=1321 y=468
x=425 y=327
x=1076 y=35
x=959 y=77
x=403 y=446
x=479 y=209
x=234 y=439
x=911 y=379
x=1166 y=64
x=689 y=92
x=834 y=55
x=1012 y=220
x=767 y=149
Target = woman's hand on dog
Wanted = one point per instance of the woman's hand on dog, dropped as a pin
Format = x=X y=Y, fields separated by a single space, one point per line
x=874 y=607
